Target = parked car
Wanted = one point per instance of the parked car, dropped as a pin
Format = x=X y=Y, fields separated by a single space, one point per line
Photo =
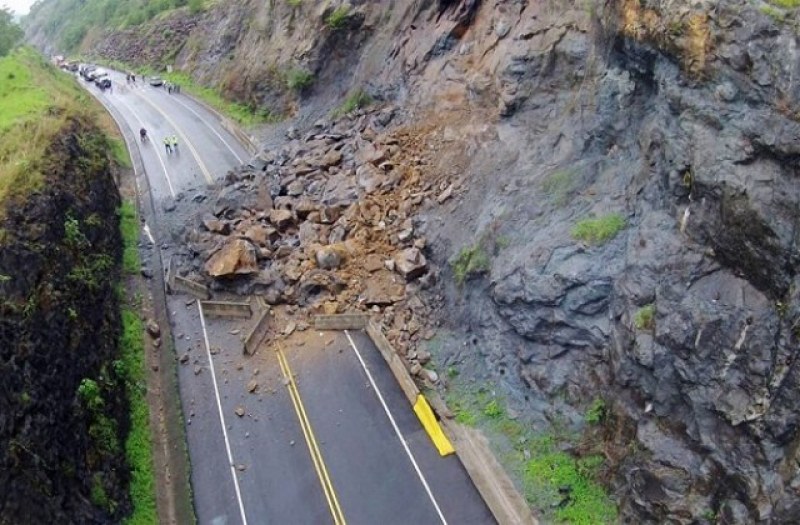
x=103 y=83
x=87 y=70
x=156 y=81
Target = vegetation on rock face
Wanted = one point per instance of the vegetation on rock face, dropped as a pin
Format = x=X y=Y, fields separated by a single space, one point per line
x=561 y=487
x=644 y=318
x=598 y=230
x=356 y=100
x=299 y=79
x=338 y=18
x=470 y=261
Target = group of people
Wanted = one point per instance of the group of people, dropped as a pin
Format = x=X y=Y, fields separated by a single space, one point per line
x=171 y=144
x=170 y=141
x=172 y=88
x=130 y=78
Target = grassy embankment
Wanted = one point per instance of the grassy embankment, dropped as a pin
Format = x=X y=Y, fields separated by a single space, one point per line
x=36 y=102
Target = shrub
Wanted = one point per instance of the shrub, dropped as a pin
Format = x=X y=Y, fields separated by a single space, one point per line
x=89 y=394
x=493 y=410
x=596 y=411
x=299 y=79
x=599 y=230
x=470 y=261
x=338 y=18
x=644 y=318
x=358 y=99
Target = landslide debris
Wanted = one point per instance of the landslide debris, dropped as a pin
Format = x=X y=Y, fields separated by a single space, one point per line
x=334 y=231
x=668 y=129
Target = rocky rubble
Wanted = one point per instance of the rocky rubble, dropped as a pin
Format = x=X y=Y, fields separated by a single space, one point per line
x=324 y=223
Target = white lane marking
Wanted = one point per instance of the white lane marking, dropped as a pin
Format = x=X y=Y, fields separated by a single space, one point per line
x=214 y=131
x=149 y=235
x=396 y=429
x=160 y=160
x=221 y=415
x=185 y=140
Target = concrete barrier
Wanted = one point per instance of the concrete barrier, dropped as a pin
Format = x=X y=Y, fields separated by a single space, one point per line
x=257 y=334
x=489 y=477
x=396 y=364
x=340 y=322
x=227 y=309
x=182 y=284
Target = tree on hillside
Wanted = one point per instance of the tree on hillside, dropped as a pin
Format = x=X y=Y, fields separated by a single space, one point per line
x=10 y=32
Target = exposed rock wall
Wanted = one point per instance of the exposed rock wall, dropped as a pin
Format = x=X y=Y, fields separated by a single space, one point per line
x=59 y=325
x=679 y=116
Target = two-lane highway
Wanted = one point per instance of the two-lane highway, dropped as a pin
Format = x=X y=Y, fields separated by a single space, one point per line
x=315 y=430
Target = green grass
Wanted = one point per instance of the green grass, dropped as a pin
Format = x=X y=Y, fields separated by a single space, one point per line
x=299 y=79
x=585 y=502
x=294 y=3
x=129 y=226
x=131 y=365
x=596 y=411
x=786 y=4
x=645 y=317
x=493 y=409
x=356 y=100
x=470 y=261
x=119 y=152
x=775 y=14
x=36 y=100
x=338 y=18
x=537 y=459
x=138 y=446
x=599 y=230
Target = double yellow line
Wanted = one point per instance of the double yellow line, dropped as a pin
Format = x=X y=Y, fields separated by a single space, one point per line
x=311 y=441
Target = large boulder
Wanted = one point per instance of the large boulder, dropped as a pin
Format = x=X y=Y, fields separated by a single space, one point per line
x=410 y=263
x=235 y=258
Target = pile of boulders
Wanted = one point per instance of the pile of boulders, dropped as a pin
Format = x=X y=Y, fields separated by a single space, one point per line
x=325 y=223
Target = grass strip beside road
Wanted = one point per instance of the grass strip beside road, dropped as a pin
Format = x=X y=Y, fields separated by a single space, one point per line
x=138 y=445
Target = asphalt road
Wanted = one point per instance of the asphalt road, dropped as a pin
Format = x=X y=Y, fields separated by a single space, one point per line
x=327 y=435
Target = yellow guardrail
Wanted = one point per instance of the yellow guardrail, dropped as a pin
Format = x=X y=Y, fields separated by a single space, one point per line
x=432 y=427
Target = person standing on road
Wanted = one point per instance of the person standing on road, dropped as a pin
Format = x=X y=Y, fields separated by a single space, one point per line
x=168 y=144
x=174 y=141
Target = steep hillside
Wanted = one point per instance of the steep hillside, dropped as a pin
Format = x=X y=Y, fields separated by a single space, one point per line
x=605 y=192
x=63 y=405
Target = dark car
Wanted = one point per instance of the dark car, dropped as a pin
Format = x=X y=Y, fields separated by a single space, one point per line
x=103 y=83
x=156 y=82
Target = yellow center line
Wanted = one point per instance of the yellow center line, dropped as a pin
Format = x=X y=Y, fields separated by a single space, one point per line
x=311 y=441
x=185 y=140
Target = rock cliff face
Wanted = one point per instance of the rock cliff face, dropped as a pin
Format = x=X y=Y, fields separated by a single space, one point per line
x=673 y=123
x=61 y=459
